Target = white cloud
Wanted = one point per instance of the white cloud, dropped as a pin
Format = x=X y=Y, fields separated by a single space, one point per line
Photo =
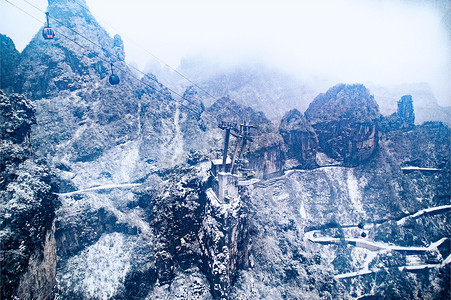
x=385 y=42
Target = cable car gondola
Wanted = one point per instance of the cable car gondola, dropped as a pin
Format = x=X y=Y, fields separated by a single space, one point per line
x=114 y=79
x=48 y=33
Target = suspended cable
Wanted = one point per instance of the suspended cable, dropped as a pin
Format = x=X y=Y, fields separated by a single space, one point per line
x=133 y=76
x=161 y=61
x=153 y=55
x=24 y=11
x=107 y=61
x=104 y=49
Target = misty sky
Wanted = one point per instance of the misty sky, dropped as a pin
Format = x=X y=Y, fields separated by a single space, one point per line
x=369 y=41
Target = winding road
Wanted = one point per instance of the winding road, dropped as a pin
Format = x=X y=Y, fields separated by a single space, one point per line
x=369 y=245
x=315 y=236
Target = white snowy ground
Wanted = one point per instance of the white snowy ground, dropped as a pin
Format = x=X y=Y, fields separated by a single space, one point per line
x=191 y=285
x=98 y=272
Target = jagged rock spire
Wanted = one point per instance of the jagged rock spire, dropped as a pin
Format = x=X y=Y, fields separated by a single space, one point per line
x=403 y=119
x=9 y=59
x=345 y=120
x=299 y=137
x=405 y=110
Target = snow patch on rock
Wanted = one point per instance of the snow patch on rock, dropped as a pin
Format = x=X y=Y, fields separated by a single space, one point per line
x=189 y=285
x=354 y=192
x=98 y=272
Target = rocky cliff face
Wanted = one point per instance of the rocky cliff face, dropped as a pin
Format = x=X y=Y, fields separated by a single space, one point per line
x=403 y=119
x=137 y=218
x=177 y=213
x=39 y=280
x=9 y=60
x=344 y=119
x=224 y=240
x=27 y=204
x=300 y=139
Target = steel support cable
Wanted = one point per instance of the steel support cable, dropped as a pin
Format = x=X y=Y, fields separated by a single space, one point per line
x=106 y=50
x=133 y=76
x=151 y=54
x=109 y=52
x=108 y=61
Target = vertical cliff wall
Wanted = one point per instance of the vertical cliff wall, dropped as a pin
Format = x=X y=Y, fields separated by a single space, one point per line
x=224 y=243
x=27 y=205
x=300 y=139
x=345 y=120
x=39 y=281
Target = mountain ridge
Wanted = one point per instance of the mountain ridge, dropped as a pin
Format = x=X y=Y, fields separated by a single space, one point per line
x=339 y=168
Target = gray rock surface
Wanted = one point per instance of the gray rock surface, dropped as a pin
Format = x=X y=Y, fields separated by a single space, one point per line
x=137 y=218
x=300 y=138
x=344 y=119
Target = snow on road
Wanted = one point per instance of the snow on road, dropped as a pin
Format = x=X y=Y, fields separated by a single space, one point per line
x=407 y=268
x=101 y=187
x=315 y=237
x=369 y=245
x=410 y=168
x=422 y=212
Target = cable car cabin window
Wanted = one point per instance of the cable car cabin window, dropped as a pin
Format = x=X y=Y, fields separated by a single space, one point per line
x=114 y=79
x=48 y=33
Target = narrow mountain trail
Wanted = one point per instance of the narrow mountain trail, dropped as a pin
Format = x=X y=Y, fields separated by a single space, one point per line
x=101 y=187
x=437 y=209
x=420 y=169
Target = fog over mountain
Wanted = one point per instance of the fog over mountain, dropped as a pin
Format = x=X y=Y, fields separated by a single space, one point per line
x=234 y=180
x=380 y=42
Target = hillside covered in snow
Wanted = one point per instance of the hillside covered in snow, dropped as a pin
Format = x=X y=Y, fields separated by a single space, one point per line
x=123 y=192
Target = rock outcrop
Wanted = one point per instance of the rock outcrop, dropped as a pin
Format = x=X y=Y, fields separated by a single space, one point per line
x=177 y=212
x=68 y=62
x=39 y=280
x=344 y=119
x=300 y=139
x=194 y=233
x=225 y=241
x=405 y=111
x=9 y=60
x=27 y=206
x=403 y=119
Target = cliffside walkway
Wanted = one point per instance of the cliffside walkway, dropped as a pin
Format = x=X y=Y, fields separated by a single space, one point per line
x=431 y=210
x=402 y=268
x=411 y=168
x=101 y=187
x=369 y=245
